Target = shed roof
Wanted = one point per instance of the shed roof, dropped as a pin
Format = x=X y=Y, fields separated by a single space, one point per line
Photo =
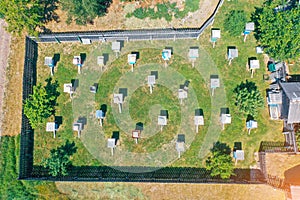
x=291 y=102
x=50 y=126
x=116 y=46
x=151 y=79
x=233 y=53
x=214 y=81
x=193 y=53
x=111 y=143
x=49 y=61
x=249 y=26
x=216 y=33
x=254 y=64
x=100 y=60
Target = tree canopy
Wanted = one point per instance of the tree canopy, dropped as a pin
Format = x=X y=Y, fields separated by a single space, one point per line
x=278 y=27
x=40 y=105
x=27 y=15
x=235 y=22
x=248 y=98
x=220 y=162
x=84 y=11
x=59 y=159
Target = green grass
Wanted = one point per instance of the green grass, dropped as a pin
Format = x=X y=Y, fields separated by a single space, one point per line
x=10 y=187
x=165 y=10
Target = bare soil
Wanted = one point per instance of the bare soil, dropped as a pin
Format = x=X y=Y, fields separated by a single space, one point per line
x=116 y=17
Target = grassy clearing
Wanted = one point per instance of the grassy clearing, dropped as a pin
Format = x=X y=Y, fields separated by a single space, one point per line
x=10 y=187
x=165 y=10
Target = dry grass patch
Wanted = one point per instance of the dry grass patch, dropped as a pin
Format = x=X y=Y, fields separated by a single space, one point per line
x=278 y=163
x=12 y=106
x=167 y=191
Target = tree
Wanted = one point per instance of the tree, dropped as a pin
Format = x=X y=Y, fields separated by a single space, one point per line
x=248 y=98
x=220 y=162
x=84 y=11
x=235 y=22
x=27 y=15
x=59 y=159
x=40 y=105
x=278 y=29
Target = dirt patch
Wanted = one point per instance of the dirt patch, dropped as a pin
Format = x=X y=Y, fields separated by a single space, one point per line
x=278 y=163
x=116 y=18
x=168 y=191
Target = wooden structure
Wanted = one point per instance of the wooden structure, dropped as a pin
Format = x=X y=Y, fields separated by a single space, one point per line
x=193 y=55
x=182 y=94
x=162 y=121
x=198 y=121
x=118 y=99
x=136 y=135
x=249 y=27
x=116 y=47
x=238 y=155
x=251 y=124
x=51 y=127
x=101 y=62
x=132 y=60
x=78 y=126
x=100 y=116
x=253 y=65
x=180 y=144
x=166 y=55
x=111 y=143
x=68 y=88
x=225 y=117
x=77 y=61
x=50 y=63
x=151 y=82
x=232 y=53
x=214 y=83
x=215 y=35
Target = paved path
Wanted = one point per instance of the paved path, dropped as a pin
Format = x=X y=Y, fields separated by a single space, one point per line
x=4 y=52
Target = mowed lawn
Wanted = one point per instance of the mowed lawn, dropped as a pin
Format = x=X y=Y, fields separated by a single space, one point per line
x=230 y=75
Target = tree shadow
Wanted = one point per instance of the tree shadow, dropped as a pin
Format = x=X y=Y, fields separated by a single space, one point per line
x=221 y=147
x=69 y=148
x=49 y=11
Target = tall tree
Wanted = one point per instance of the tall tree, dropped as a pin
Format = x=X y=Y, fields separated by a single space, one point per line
x=84 y=11
x=220 y=162
x=22 y=15
x=59 y=159
x=278 y=27
x=235 y=22
x=248 y=98
x=40 y=105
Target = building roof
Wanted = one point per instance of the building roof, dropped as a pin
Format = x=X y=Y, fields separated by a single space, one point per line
x=118 y=98
x=214 y=81
x=49 y=61
x=182 y=94
x=111 y=143
x=198 y=120
x=100 y=60
x=162 y=120
x=249 y=26
x=254 y=64
x=131 y=59
x=151 y=80
x=216 y=33
x=193 y=53
x=233 y=53
x=116 y=46
x=291 y=102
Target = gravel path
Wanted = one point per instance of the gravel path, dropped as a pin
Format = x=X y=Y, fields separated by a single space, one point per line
x=4 y=52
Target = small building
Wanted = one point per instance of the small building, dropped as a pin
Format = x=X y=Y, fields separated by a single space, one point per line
x=51 y=127
x=116 y=46
x=290 y=101
x=166 y=54
x=225 y=117
x=214 y=83
x=249 y=27
x=215 y=35
x=278 y=71
x=77 y=60
x=182 y=94
x=180 y=144
x=49 y=62
x=111 y=143
x=131 y=59
x=193 y=53
x=78 y=126
x=274 y=100
x=232 y=53
x=100 y=61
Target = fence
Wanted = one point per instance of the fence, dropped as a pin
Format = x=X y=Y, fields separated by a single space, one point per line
x=28 y=171
x=129 y=35
x=29 y=80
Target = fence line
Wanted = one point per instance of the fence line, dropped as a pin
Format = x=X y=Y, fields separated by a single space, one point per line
x=129 y=35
